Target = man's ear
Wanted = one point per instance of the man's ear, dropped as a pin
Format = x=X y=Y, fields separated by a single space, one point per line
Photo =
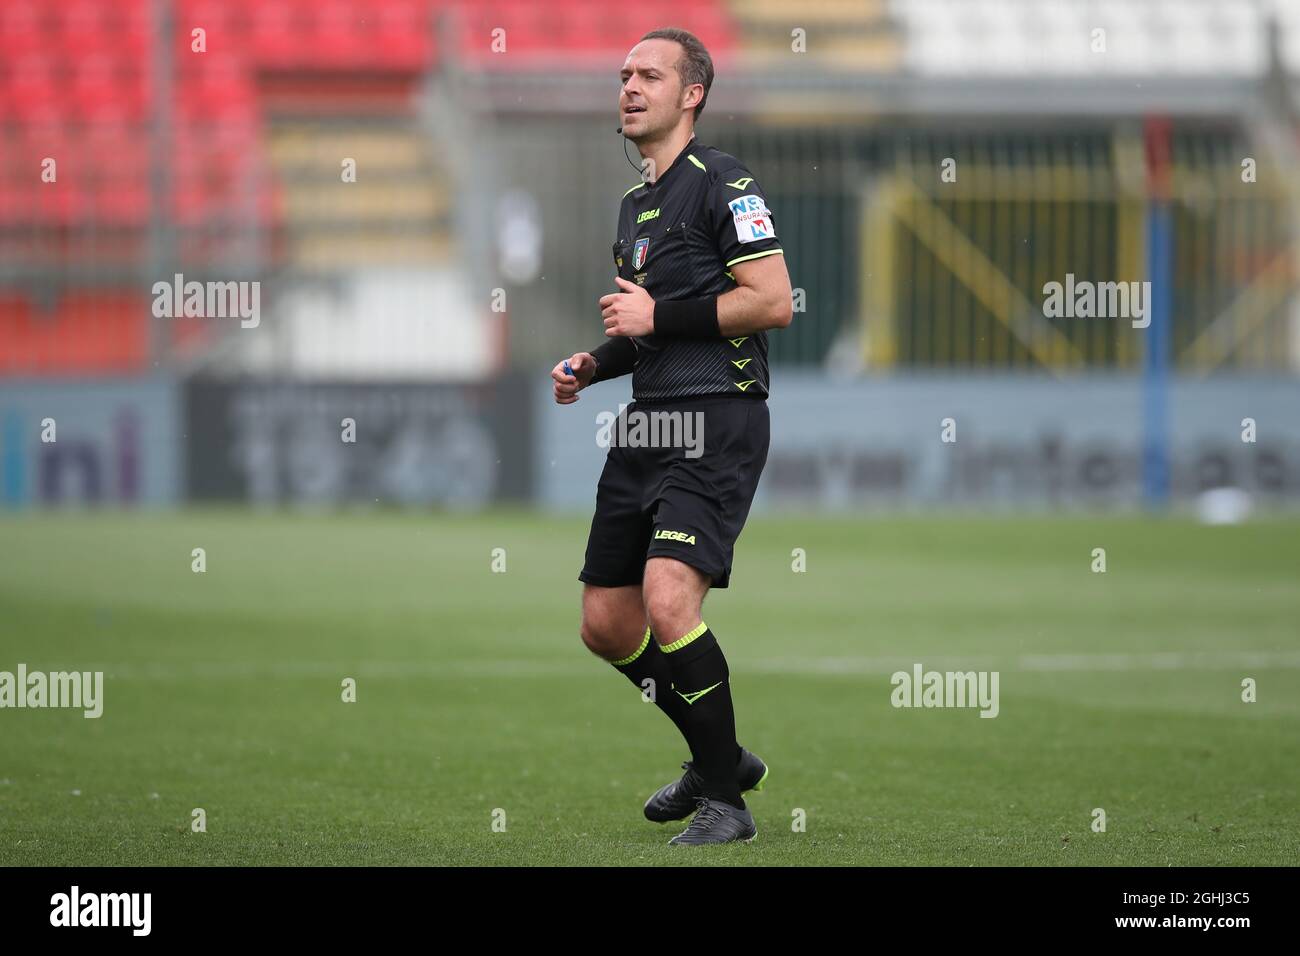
x=687 y=101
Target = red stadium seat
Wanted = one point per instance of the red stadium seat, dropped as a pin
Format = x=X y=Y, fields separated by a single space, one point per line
x=122 y=205
x=583 y=34
x=32 y=90
x=275 y=28
x=23 y=30
x=225 y=33
x=404 y=36
x=87 y=331
x=334 y=36
x=96 y=87
x=216 y=88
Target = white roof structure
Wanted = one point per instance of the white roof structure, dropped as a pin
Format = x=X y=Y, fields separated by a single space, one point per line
x=1092 y=39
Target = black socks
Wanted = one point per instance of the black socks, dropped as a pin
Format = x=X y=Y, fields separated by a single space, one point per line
x=701 y=684
x=649 y=661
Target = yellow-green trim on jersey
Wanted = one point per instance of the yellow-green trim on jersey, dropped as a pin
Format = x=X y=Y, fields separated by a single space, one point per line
x=757 y=255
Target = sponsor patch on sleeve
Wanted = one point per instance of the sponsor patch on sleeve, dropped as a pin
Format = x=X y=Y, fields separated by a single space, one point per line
x=751 y=218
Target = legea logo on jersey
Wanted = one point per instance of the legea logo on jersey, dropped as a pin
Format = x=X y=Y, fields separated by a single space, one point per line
x=751 y=218
x=640 y=252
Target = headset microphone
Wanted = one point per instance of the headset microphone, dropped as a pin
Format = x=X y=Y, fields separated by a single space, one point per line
x=639 y=169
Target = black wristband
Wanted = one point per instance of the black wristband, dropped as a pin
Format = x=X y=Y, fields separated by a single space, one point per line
x=613 y=358
x=688 y=318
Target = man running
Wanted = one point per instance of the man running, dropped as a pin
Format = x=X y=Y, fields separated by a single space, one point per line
x=701 y=278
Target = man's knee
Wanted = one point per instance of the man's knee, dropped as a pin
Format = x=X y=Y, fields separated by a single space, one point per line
x=613 y=623
x=673 y=593
x=601 y=635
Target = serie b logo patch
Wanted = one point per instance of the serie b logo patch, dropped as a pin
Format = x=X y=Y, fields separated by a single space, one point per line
x=639 y=253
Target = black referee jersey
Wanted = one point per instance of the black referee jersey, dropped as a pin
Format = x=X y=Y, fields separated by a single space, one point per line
x=679 y=237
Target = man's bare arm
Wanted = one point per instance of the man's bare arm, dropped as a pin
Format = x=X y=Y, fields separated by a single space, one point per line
x=762 y=298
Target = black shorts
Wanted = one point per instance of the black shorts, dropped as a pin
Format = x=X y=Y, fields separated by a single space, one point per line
x=688 y=503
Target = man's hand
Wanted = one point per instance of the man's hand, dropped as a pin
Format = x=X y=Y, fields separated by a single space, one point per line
x=567 y=386
x=629 y=312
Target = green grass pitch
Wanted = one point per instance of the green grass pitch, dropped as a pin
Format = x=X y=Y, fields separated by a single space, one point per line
x=1119 y=691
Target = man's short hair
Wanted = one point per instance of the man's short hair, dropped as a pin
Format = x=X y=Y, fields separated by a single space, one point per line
x=695 y=65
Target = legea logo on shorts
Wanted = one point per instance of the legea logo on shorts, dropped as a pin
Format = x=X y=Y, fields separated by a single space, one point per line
x=675 y=536
x=658 y=429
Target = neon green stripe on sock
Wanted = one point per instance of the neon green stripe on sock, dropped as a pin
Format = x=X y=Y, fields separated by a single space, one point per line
x=645 y=642
x=686 y=638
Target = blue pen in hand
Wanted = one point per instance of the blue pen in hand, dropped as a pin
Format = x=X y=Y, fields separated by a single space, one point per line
x=567 y=370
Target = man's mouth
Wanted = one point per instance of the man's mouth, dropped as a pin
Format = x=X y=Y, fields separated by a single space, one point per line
x=633 y=109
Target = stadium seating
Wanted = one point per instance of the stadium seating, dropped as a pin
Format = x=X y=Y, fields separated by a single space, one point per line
x=90 y=330
x=79 y=72
x=576 y=33
x=238 y=167
x=77 y=85
x=855 y=35
x=397 y=212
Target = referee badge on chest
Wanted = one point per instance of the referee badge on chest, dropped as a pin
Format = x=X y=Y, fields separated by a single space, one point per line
x=639 y=253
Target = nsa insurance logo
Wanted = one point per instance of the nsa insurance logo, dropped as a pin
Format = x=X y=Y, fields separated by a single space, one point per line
x=751 y=218
x=657 y=429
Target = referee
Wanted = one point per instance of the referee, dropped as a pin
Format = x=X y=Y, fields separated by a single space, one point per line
x=701 y=279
